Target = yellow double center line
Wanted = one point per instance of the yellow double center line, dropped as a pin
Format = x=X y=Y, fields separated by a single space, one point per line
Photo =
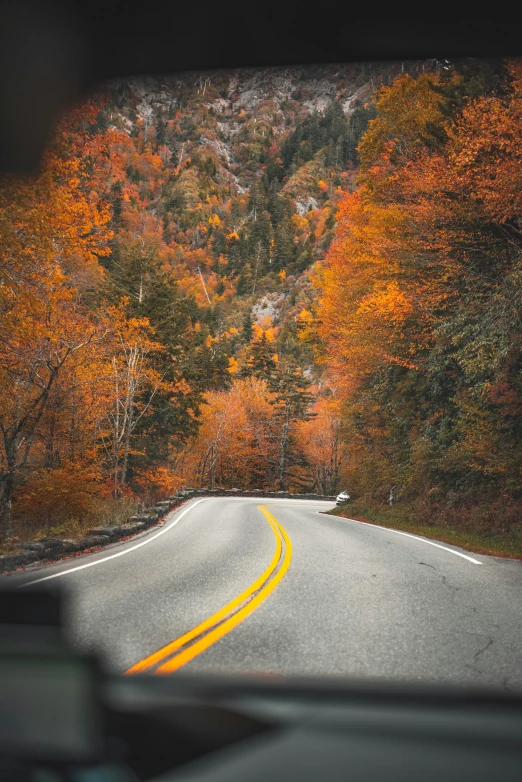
x=179 y=652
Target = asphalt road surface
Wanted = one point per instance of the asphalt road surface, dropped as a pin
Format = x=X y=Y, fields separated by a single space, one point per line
x=275 y=587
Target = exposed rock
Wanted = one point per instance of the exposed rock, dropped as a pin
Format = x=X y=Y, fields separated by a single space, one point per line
x=306 y=205
x=52 y=546
x=110 y=531
x=10 y=562
x=268 y=306
x=34 y=545
x=219 y=147
x=100 y=531
x=68 y=546
x=92 y=541
x=129 y=529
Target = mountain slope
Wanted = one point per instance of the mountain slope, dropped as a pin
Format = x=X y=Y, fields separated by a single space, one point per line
x=234 y=177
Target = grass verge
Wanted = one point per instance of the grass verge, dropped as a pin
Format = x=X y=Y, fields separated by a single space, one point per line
x=498 y=544
x=103 y=512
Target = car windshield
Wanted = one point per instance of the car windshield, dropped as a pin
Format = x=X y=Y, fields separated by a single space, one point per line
x=261 y=371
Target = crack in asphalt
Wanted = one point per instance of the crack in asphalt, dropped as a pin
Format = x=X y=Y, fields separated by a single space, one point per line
x=481 y=651
x=450 y=586
x=444 y=580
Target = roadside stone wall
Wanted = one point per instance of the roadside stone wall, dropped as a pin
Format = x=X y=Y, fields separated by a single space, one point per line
x=52 y=549
x=253 y=493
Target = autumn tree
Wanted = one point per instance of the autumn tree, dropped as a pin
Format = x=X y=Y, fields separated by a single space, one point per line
x=150 y=293
x=418 y=306
x=235 y=442
x=292 y=401
x=53 y=228
x=133 y=383
x=319 y=439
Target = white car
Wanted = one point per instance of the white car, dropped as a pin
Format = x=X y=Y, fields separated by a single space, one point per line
x=342 y=497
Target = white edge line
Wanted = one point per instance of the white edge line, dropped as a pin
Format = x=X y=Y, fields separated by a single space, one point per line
x=408 y=535
x=118 y=554
x=296 y=505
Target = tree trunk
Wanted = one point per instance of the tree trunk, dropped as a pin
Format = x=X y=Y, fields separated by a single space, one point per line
x=7 y=486
x=6 y=490
x=49 y=445
x=116 y=433
x=282 y=450
x=125 y=464
x=258 y=255
x=213 y=468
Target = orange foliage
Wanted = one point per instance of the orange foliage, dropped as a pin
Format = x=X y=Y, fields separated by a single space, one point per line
x=52 y=229
x=234 y=442
x=320 y=441
x=430 y=238
x=55 y=495
x=158 y=483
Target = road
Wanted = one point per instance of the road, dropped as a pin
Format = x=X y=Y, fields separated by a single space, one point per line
x=276 y=587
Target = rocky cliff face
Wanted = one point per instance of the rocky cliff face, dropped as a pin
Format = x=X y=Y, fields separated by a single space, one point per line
x=226 y=103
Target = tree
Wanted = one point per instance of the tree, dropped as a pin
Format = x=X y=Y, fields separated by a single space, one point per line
x=151 y=293
x=134 y=382
x=319 y=438
x=292 y=400
x=259 y=360
x=426 y=347
x=247 y=332
x=53 y=227
x=234 y=443
x=284 y=245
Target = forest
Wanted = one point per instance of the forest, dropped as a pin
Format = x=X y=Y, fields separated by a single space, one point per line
x=304 y=281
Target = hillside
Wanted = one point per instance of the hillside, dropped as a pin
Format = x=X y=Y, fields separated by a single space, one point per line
x=235 y=177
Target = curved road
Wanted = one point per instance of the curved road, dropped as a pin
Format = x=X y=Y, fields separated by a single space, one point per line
x=228 y=586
